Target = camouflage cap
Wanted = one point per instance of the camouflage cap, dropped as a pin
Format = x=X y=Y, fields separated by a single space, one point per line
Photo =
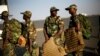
x=71 y=6
x=5 y=13
x=54 y=9
x=27 y=13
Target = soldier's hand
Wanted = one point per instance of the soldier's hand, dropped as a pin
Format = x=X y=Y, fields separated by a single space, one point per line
x=30 y=50
x=45 y=41
x=56 y=35
x=66 y=49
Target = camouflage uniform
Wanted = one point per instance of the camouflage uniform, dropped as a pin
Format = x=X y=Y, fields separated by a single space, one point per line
x=74 y=37
x=85 y=24
x=52 y=26
x=8 y=47
x=29 y=32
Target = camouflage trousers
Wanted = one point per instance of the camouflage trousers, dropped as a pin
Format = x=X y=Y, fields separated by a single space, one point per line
x=77 y=53
x=35 y=52
x=8 y=50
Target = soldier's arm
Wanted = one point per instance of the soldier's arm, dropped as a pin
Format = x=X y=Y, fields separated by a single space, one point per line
x=45 y=33
x=44 y=30
x=30 y=45
x=8 y=33
x=30 y=35
x=80 y=37
x=81 y=40
x=34 y=31
x=32 y=39
x=77 y=23
x=66 y=48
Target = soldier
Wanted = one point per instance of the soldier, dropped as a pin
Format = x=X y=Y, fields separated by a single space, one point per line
x=29 y=32
x=53 y=28
x=75 y=42
x=8 y=47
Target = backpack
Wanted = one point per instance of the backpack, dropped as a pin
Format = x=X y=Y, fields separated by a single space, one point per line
x=86 y=26
x=15 y=30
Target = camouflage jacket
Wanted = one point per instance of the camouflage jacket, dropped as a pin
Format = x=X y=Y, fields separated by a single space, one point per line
x=29 y=30
x=11 y=33
x=52 y=25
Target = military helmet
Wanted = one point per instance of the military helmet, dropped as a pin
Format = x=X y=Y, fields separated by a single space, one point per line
x=27 y=13
x=54 y=9
x=71 y=6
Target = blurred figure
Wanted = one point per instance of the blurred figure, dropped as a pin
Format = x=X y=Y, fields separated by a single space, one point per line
x=8 y=46
x=53 y=32
x=29 y=32
x=74 y=42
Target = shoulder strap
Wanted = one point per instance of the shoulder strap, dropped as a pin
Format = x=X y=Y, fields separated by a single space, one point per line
x=58 y=18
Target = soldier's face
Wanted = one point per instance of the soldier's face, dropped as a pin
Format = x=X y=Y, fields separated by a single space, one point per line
x=53 y=13
x=26 y=18
x=72 y=11
x=4 y=17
